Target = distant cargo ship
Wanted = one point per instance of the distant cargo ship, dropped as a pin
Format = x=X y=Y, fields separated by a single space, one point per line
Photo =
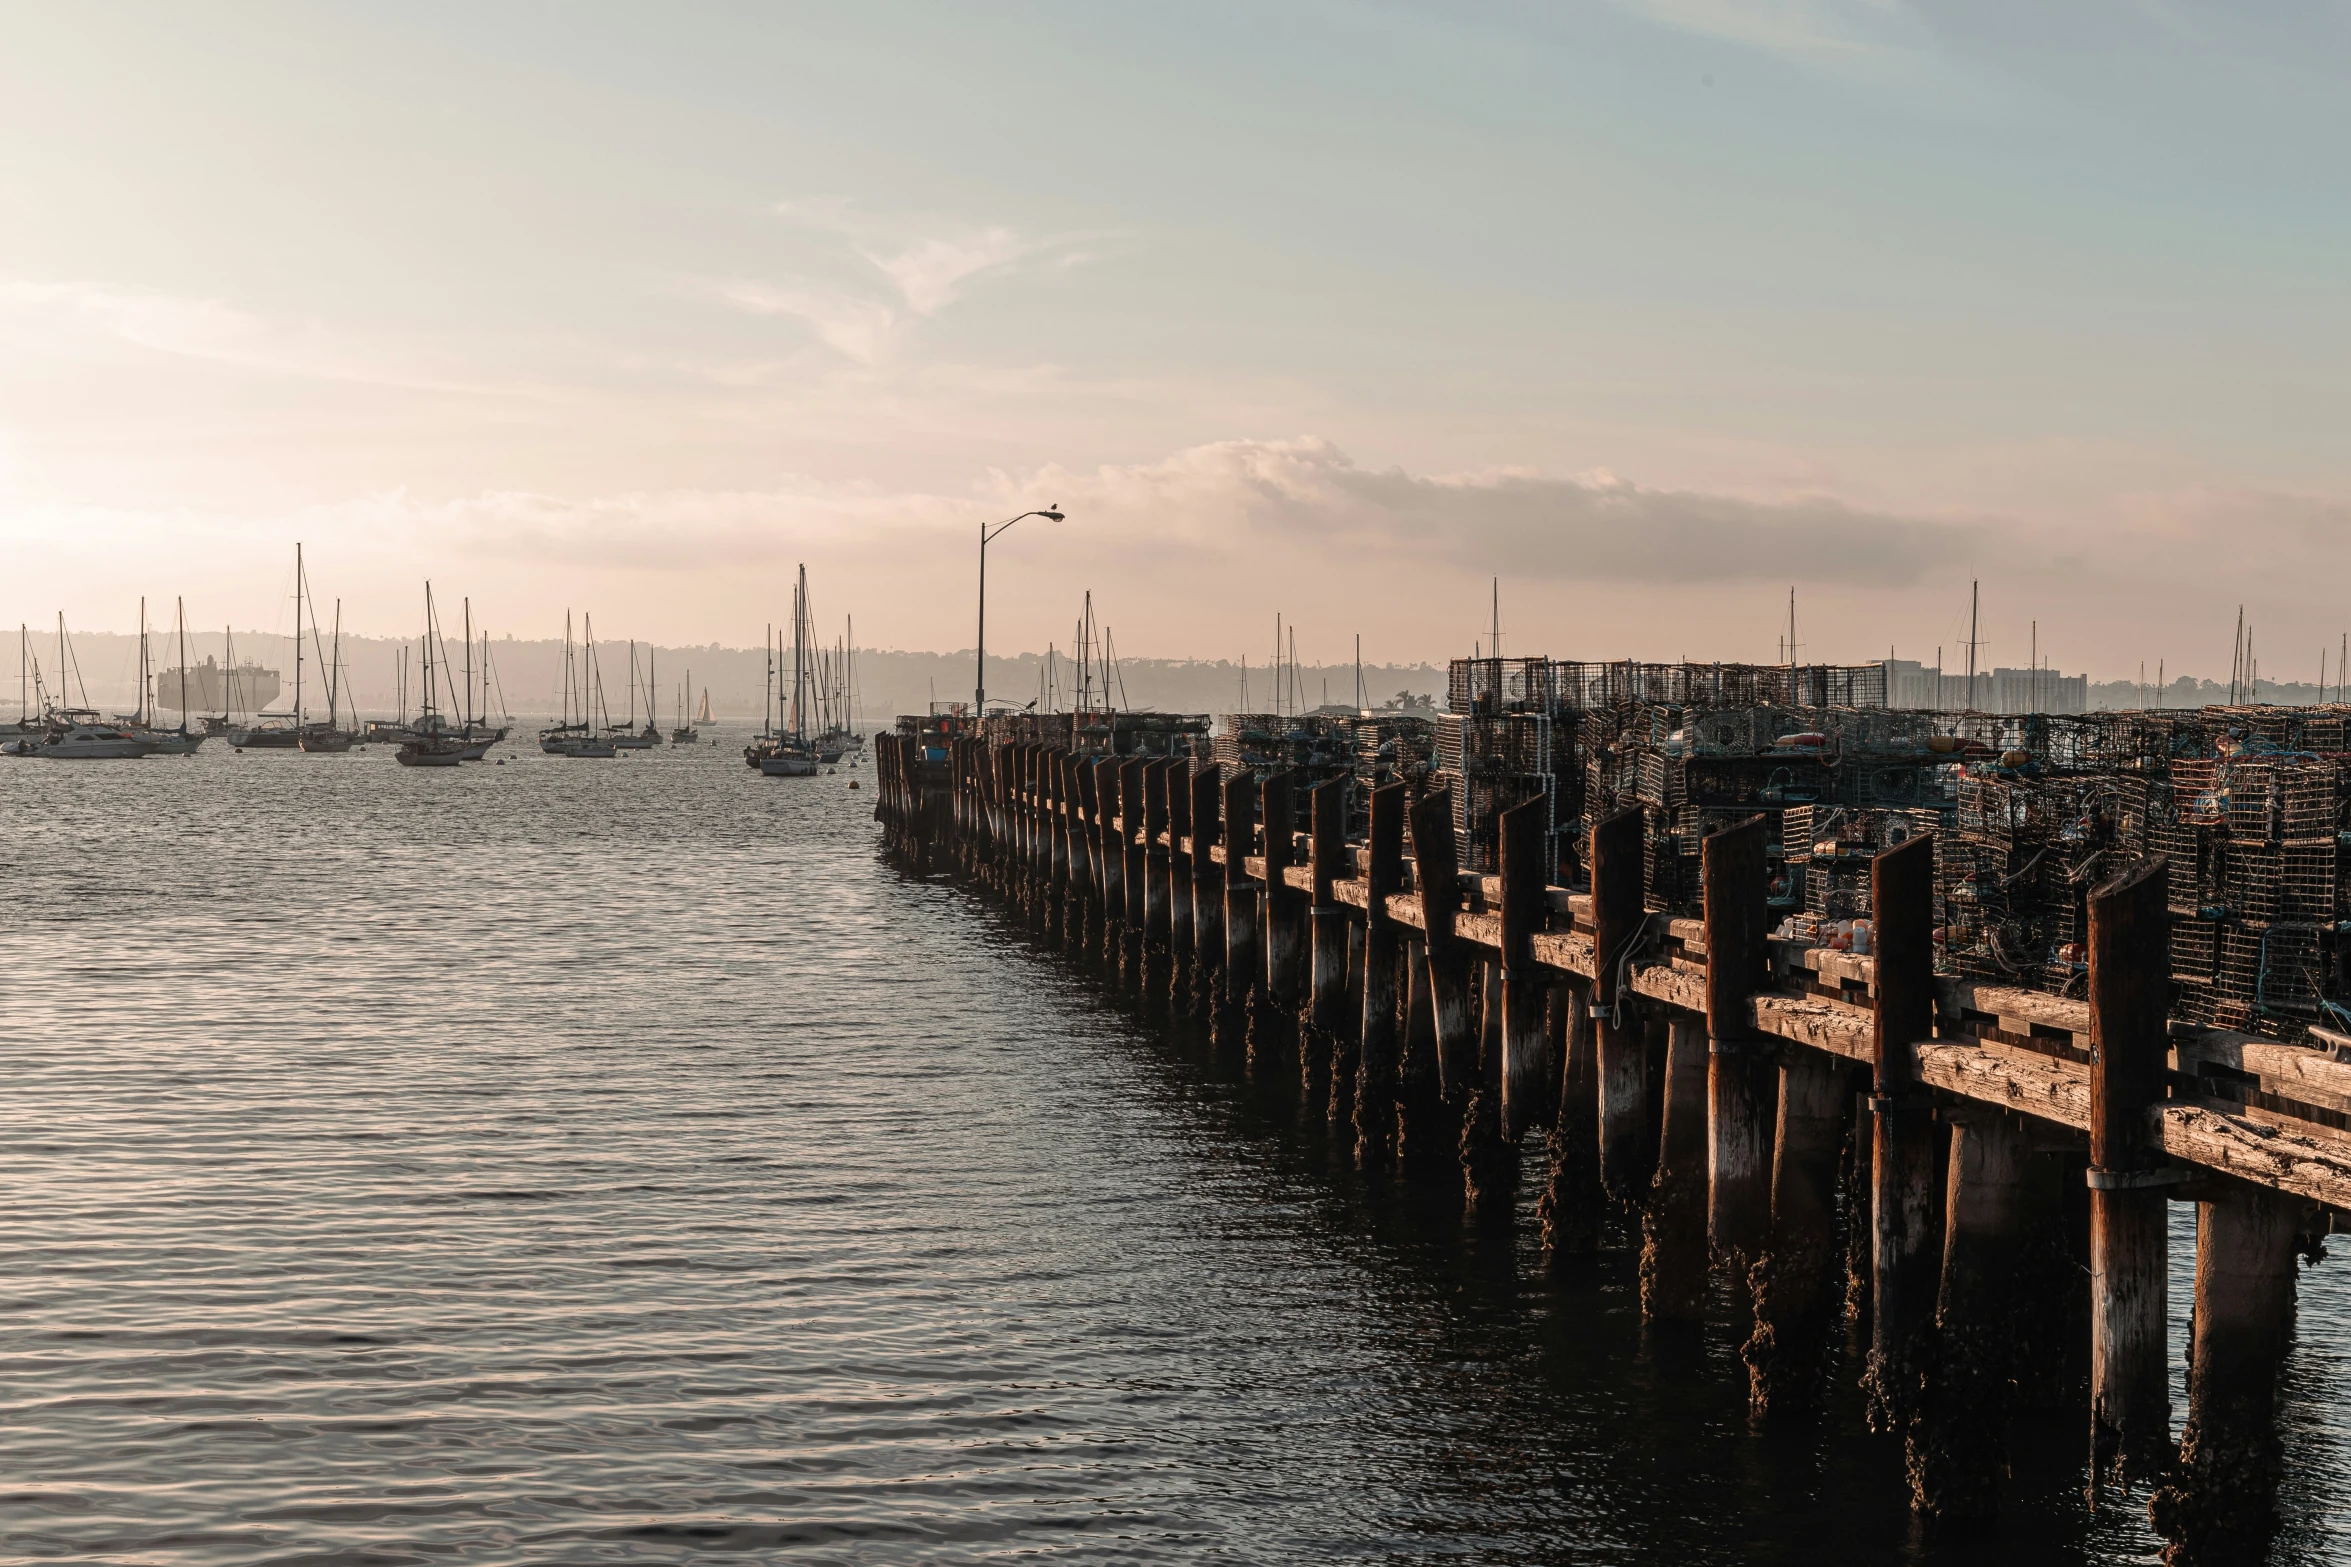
x=212 y=688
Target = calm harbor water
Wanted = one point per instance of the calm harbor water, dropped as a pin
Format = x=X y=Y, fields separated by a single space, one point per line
x=610 y=1161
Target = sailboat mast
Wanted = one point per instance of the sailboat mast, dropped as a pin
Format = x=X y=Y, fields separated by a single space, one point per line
x=141 y=716
x=799 y=662
x=335 y=672
x=469 y=663
x=297 y=636
x=180 y=606
x=425 y=722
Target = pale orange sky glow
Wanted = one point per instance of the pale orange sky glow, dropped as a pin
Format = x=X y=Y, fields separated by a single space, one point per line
x=1651 y=310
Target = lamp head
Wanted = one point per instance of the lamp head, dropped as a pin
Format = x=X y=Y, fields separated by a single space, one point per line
x=1050 y=514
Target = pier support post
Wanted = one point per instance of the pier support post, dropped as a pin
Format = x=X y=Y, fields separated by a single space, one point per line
x=1475 y=1119
x=1240 y=896
x=1376 y=1053
x=1130 y=841
x=1059 y=868
x=1740 y=1080
x=1421 y=1146
x=1327 y=979
x=1905 y=1242
x=1796 y=1288
x=1628 y=1144
x=1156 y=922
x=1286 y=916
x=1673 y=1220
x=1530 y=1074
x=1955 y=1446
x=1039 y=856
x=1179 y=884
x=2130 y=1399
x=1112 y=881
x=2220 y=1504
x=1208 y=939
x=1572 y=1205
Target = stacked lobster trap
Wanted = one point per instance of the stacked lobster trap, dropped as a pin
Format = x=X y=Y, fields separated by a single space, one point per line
x=1492 y=763
x=2259 y=896
x=2014 y=873
x=1694 y=746
x=2030 y=813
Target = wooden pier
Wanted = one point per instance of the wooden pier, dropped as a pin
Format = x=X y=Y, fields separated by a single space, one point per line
x=1978 y=1173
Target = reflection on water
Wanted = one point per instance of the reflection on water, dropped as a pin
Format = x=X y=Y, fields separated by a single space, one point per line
x=618 y=1161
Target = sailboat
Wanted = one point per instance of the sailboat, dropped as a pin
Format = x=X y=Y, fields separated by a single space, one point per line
x=476 y=731
x=432 y=745
x=590 y=740
x=789 y=755
x=627 y=736
x=684 y=733
x=169 y=742
x=479 y=728
x=702 y=714
x=329 y=737
x=28 y=731
x=837 y=696
x=279 y=731
x=556 y=736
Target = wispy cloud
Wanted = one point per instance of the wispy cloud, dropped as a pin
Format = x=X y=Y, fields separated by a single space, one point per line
x=924 y=273
x=930 y=273
x=1835 y=34
x=72 y=316
x=861 y=328
x=197 y=328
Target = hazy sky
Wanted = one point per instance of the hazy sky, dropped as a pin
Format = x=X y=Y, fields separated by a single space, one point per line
x=1652 y=309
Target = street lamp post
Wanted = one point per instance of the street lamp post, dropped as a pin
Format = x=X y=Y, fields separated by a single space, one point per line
x=988 y=531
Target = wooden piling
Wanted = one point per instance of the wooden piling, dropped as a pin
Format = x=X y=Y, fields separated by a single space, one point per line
x=1179 y=873
x=1156 y=921
x=1286 y=911
x=2220 y=1504
x=1673 y=1219
x=1795 y=1287
x=1327 y=982
x=1906 y=1245
x=1129 y=823
x=1628 y=1146
x=1208 y=934
x=2130 y=1401
x=1059 y=870
x=1376 y=1045
x=1422 y=1146
x=1530 y=1076
x=1573 y=1206
x=1435 y=875
x=1240 y=895
x=1110 y=866
x=1955 y=1448
x=1740 y=1079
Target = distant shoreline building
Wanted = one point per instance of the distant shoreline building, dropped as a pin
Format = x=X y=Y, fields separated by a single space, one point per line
x=1910 y=684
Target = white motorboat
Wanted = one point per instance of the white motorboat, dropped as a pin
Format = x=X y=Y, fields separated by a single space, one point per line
x=94 y=743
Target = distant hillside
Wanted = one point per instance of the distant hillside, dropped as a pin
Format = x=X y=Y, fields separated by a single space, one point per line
x=531 y=675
